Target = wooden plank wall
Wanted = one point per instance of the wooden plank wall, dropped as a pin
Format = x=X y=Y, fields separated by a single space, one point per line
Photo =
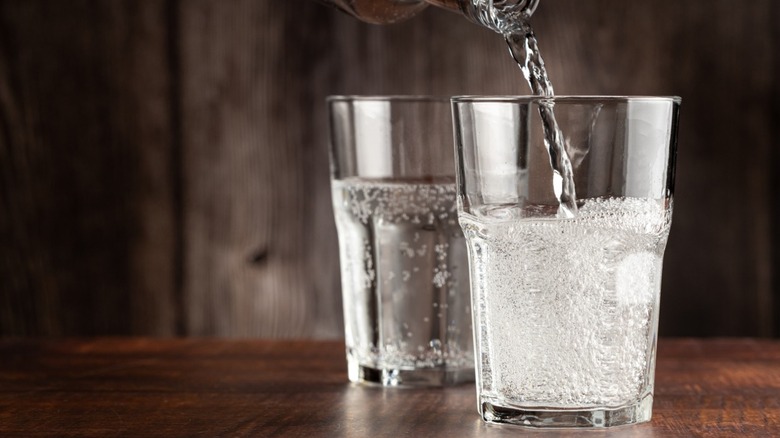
x=163 y=164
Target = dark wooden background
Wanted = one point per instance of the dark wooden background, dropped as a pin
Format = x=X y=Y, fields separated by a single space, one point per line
x=163 y=164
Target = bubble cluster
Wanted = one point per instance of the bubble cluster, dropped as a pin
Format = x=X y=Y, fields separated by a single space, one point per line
x=568 y=308
x=404 y=274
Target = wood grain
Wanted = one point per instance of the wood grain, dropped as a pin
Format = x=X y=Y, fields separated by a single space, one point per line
x=253 y=208
x=163 y=164
x=85 y=208
x=144 y=387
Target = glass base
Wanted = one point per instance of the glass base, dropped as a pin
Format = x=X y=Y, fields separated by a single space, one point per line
x=543 y=418
x=402 y=377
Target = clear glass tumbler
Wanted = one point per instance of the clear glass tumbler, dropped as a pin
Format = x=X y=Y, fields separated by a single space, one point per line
x=565 y=308
x=404 y=267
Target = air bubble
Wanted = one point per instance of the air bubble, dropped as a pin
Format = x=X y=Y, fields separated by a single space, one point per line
x=575 y=301
x=407 y=220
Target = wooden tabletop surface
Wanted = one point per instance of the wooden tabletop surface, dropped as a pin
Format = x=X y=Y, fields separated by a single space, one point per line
x=196 y=387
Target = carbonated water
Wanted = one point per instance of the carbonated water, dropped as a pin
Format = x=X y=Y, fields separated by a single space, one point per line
x=567 y=309
x=404 y=274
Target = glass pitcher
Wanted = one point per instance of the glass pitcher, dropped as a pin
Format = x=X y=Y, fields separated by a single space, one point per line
x=497 y=15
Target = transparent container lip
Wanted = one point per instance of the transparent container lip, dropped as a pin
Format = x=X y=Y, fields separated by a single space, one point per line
x=563 y=98
x=387 y=98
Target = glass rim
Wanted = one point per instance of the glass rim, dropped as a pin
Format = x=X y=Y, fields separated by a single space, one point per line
x=563 y=99
x=387 y=98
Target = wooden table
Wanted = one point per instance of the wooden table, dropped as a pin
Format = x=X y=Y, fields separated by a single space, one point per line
x=146 y=387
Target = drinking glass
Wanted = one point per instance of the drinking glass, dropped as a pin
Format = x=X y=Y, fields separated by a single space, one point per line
x=565 y=304
x=404 y=268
